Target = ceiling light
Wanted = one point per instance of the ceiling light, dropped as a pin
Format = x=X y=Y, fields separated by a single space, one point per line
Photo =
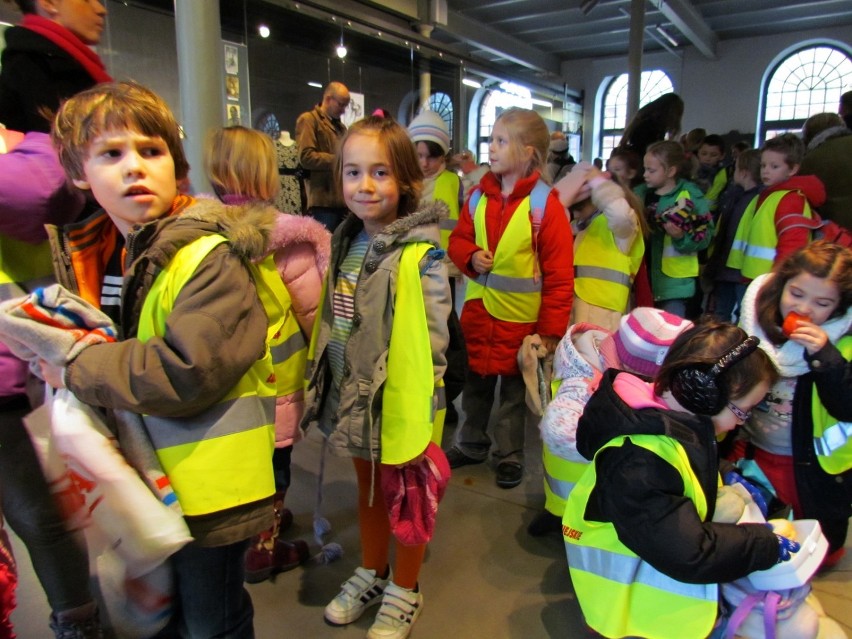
x=543 y=103
x=341 y=48
x=666 y=35
x=472 y=83
x=263 y=30
x=316 y=85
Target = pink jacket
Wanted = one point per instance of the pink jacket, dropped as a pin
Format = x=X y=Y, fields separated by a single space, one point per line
x=301 y=248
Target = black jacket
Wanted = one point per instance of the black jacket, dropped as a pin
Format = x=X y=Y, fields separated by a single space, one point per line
x=643 y=495
x=37 y=75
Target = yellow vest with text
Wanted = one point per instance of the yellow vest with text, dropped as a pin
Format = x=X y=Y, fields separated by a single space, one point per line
x=447 y=191
x=221 y=458
x=511 y=291
x=675 y=263
x=619 y=593
x=756 y=240
x=832 y=438
x=602 y=273
x=413 y=406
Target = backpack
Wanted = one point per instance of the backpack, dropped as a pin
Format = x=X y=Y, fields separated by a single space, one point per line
x=832 y=232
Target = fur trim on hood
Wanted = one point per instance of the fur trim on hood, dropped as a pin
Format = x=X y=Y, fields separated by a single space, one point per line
x=291 y=230
x=248 y=227
x=828 y=134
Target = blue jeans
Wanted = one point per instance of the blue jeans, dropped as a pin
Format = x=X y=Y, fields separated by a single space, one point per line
x=675 y=307
x=58 y=556
x=728 y=297
x=210 y=600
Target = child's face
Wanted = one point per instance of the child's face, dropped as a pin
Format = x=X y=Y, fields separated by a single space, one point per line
x=132 y=176
x=370 y=188
x=657 y=174
x=774 y=168
x=710 y=155
x=501 y=152
x=618 y=167
x=727 y=421
x=813 y=297
x=429 y=165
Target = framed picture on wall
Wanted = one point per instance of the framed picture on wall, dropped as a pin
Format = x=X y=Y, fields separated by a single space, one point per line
x=232 y=87
x=355 y=110
x=232 y=60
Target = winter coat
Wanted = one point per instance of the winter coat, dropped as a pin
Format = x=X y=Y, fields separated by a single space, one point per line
x=665 y=287
x=214 y=334
x=33 y=192
x=300 y=247
x=318 y=137
x=492 y=344
x=642 y=495
x=351 y=415
x=36 y=74
x=829 y=157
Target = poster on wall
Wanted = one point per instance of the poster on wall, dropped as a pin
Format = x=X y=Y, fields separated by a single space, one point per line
x=355 y=110
x=237 y=108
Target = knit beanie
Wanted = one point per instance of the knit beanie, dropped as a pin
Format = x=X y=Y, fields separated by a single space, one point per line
x=430 y=127
x=644 y=336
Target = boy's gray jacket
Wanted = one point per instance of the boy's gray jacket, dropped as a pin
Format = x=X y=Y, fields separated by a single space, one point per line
x=351 y=418
x=215 y=333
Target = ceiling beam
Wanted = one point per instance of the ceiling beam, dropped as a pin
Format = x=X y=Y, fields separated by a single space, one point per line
x=684 y=16
x=481 y=36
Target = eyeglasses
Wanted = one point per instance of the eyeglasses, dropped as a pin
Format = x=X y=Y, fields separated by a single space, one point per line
x=738 y=412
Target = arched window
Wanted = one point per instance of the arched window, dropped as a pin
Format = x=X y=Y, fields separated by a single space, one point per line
x=442 y=104
x=805 y=82
x=495 y=102
x=653 y=84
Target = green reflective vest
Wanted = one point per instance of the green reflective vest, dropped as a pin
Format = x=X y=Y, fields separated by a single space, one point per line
x=447 y=190
x=602 y=273
x=620 y=594
x=832 y=438
x=221 y=458
x=511 y=291
x=755 y=242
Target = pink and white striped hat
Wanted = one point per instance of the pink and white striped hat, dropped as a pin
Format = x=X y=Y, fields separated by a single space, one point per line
x=644 y=336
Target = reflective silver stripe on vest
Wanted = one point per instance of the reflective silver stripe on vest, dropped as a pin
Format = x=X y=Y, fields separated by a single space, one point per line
x=441 y=395
x=226 y=418
x=447 y=224
x=833 y=439
x=761 y=252
x=739 y=245
x=629 y=570
x=669 y=250
x=559 y=487
x=601 y=273
x=289 y=347
x=508 y=284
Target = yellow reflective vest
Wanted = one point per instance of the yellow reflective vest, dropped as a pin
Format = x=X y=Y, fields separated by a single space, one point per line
x=447 y=186
x=674 y=263
x=511 y=291
x=756 y=240
x=24 y=263
x=832 y=438
x=221 y=458
x=602 y=273
x=620 y=594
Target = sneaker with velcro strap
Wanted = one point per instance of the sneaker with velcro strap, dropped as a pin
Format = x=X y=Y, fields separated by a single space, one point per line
x=398 y=612
x=359 y=592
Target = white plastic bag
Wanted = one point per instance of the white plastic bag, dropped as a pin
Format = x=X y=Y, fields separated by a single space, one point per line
x=125 y=515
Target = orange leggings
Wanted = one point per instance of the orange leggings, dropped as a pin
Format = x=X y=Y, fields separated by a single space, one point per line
x=376 y=533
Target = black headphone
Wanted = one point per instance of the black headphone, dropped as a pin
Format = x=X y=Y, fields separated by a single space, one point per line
x=697 y=388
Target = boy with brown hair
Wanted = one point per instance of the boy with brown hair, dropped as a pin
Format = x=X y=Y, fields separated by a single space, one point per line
x=195 y=314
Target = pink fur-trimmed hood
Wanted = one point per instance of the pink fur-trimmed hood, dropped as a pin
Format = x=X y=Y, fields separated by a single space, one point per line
x=291 y=230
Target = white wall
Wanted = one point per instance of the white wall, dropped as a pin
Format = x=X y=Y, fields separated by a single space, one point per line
x=720 y=95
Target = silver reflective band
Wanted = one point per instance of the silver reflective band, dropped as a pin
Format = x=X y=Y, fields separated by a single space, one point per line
x=448 y=225
x=669 y=250
x=833 y=439
x=289 y=347
x=632 y=570
x=227 y=418
x=559 y=487
x=508 y=284
x=601 y=273
x=760 y=252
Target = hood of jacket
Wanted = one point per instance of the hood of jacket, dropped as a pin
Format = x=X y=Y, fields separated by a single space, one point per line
x=808 y=185
x=830 y=133
x=493 y=188
x=608 y=416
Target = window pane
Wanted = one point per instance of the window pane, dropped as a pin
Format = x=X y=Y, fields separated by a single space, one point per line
x=614 y=113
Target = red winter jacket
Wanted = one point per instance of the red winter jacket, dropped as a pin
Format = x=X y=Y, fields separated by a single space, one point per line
x=791 y=235
x=492 y=344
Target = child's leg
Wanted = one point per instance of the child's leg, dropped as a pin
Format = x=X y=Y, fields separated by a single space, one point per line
x=373 y=520
x=281 y=468
x=511 y=418
x=477 y=399
x=675 y=307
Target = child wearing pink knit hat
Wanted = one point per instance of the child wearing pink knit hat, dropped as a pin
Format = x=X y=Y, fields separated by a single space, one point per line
x=639 y=345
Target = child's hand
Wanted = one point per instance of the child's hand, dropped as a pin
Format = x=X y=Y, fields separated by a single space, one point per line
x=482 y=262
x=809 y=335
x=550 y=343
x=673 y=230
x=53 y=375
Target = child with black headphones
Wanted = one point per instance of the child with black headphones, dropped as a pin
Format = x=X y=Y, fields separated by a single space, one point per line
x=645 y=557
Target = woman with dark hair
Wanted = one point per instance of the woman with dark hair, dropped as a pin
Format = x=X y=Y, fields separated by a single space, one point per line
x=658 y=120
x=48 y=59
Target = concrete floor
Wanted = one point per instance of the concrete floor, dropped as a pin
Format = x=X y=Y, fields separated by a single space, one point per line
x=483 y=575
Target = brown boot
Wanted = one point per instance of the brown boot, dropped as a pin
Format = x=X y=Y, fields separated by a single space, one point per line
x=270 y=556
